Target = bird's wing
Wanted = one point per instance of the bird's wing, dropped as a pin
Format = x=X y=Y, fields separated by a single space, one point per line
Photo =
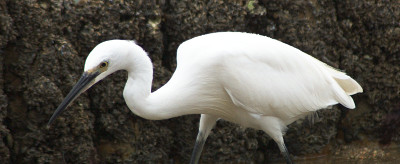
x=283 y=84
x=265 y=76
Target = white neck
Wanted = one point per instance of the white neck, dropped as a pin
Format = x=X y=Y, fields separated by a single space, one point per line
x=137 y=91
x=176 y=98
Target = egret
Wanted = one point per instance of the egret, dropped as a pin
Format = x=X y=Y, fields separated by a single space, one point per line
x=248 y=79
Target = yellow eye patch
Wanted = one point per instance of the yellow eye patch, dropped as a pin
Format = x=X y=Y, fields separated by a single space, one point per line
x=103 y=65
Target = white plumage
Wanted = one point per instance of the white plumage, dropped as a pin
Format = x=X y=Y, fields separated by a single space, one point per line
x=248 y=79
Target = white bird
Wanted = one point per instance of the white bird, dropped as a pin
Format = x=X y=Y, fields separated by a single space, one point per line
x=247 y=79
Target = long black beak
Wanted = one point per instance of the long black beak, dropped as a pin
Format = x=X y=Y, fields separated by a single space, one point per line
x=84 y=83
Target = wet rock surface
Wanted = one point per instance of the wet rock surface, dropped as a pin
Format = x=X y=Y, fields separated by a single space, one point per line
x=43 y=45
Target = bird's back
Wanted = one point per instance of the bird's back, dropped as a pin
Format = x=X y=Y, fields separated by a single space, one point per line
x=265 y=76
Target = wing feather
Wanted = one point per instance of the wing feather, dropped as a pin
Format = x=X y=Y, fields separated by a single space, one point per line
x=267 y=77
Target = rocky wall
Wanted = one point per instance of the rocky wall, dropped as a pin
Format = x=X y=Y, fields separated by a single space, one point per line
x=43 y=45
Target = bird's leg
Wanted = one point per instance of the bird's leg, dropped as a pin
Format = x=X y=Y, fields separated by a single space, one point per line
x=283 y=149
x=198 y=148
x=284 y=152
x=207 y=122
x=274 y=127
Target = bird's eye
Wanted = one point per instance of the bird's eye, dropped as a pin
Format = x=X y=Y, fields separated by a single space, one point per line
x=103 y=64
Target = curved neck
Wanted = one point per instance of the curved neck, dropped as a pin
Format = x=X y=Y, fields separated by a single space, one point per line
x=137 y=91
x=177 y=97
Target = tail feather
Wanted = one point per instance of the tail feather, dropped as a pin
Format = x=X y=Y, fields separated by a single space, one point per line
x=350 y=86
x=344 y=87
x=343 y=98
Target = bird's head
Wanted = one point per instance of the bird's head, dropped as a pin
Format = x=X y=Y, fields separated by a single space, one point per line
x=105 y=59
